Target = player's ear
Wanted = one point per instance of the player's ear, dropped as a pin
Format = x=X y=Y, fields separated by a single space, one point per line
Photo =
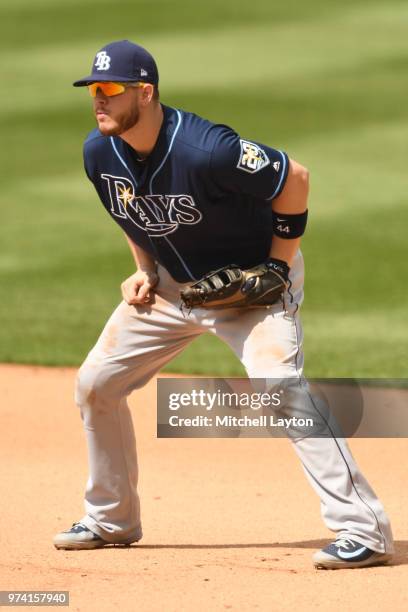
x=147 y=94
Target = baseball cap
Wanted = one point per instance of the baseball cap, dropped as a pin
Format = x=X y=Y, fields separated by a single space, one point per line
x=122 y=61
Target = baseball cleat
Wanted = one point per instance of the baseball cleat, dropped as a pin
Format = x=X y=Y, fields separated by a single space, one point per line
x=345 y=553
x=77 y=538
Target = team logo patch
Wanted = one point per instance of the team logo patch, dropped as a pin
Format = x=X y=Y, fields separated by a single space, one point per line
x=252 y=157
x=102 y=61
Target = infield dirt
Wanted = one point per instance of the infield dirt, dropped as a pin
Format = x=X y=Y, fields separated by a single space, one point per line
x=228 y=524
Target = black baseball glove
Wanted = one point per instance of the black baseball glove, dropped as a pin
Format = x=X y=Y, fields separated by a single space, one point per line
x=231 y=287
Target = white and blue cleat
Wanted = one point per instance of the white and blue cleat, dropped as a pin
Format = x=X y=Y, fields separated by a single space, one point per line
x=77 y=538
x=346 y=553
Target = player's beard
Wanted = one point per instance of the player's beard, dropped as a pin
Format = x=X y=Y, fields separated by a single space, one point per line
x=123 y=123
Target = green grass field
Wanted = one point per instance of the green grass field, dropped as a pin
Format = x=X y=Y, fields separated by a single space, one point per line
x=324 y=80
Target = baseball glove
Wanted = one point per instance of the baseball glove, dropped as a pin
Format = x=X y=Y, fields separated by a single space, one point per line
x=231 y=287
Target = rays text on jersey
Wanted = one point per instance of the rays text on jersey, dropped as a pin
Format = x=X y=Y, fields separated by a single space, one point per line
x=156 y=214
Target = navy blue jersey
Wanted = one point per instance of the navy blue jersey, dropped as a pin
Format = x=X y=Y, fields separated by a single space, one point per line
x=200 y=201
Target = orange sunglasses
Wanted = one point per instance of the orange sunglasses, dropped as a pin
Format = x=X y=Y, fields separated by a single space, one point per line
x=110 y=88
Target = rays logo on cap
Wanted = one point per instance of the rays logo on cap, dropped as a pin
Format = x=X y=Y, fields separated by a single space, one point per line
x=102 y=61
x=252 y=157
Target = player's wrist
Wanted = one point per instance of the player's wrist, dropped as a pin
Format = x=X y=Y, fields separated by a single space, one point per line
x=278 y=265
x=147 y=268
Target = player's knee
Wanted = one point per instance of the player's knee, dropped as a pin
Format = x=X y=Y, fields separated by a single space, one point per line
x=93 y=384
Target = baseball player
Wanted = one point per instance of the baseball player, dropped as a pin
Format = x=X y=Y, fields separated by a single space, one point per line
x=193 y=197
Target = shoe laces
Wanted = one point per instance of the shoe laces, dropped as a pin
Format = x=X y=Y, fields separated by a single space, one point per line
x=344 y=543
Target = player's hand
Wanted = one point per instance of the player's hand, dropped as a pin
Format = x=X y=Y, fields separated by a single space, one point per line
x=137 y=289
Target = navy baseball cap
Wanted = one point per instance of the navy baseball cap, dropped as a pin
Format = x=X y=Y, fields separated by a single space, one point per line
x=122 y=61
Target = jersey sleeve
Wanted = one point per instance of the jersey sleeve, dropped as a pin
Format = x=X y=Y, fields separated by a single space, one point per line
x=87 y=159
x=244 y=166
x=90 y=151
x=87 y=171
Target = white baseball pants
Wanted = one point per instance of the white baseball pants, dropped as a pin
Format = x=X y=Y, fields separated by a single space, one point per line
x=138 y=341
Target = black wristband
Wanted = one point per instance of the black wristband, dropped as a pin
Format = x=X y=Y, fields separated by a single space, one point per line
x=279 y=266
x=289 y=226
